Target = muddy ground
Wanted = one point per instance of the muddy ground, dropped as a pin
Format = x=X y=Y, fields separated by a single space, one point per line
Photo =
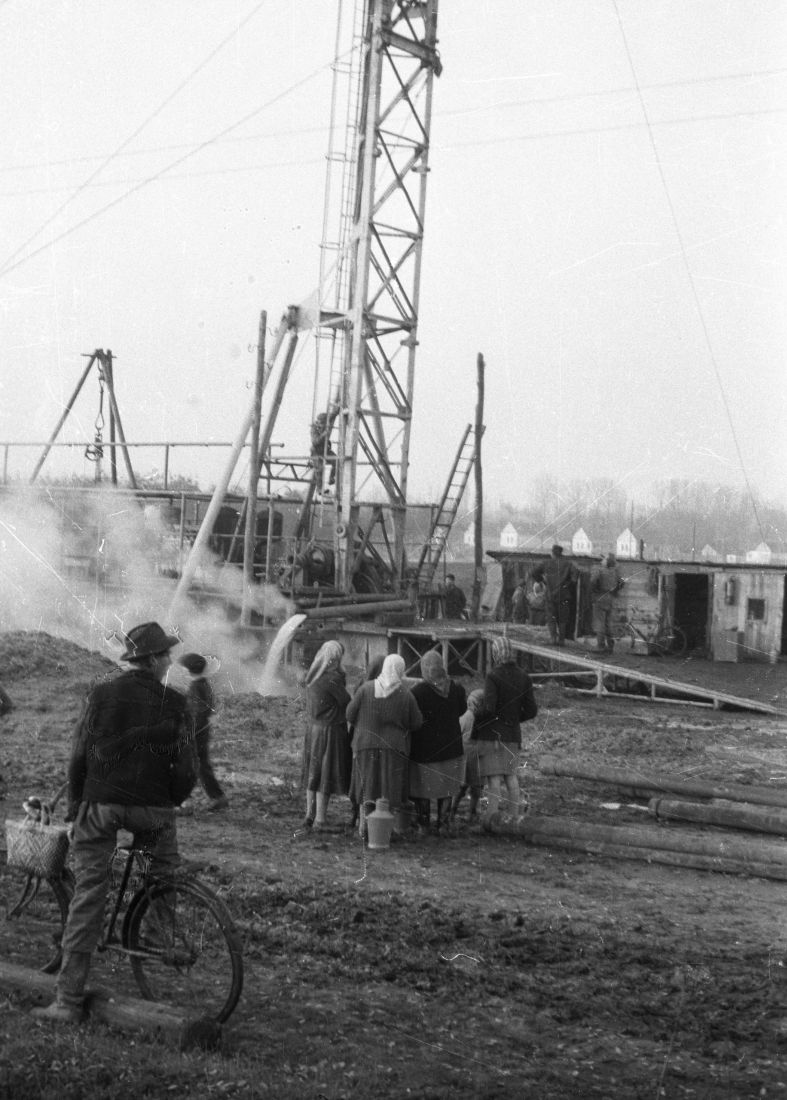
x=477 y=966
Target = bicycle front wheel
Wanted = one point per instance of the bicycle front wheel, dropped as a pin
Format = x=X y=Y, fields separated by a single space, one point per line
x=32 y=918
x=185 y=949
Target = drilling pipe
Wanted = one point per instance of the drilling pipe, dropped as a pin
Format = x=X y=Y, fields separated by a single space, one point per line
x=352 y=610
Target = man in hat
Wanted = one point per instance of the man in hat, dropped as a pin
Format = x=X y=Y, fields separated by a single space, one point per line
x=131 y=730
x=605 y=584
x=560 y=577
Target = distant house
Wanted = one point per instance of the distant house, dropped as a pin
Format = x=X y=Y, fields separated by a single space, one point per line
x=709 y=554
x=765 y=554
x=468 y=538
x=509 y=539
x=627 y=545
x=580 y=543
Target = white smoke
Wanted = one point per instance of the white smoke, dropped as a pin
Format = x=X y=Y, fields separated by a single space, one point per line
x=87 y=566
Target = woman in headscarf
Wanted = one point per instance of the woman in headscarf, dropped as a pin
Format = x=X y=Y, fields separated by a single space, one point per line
x=327 y=756
x=437 y=754
x=382 y=713
x=508 y=700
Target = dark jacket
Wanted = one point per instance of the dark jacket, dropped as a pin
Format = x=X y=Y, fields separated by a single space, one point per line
x=440 y=737
x=200 y=705
x=328 y=698
x=131 y=730
x=508 y=700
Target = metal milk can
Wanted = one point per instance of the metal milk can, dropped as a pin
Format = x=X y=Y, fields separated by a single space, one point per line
x=379 y=825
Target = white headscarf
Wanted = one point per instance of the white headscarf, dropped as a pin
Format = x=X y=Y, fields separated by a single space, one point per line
x=328 y=656
x=391 y=676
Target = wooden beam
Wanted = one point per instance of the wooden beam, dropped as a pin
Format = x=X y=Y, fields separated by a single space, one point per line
x=648 y=785
x=128 y=1013
x=692 y=692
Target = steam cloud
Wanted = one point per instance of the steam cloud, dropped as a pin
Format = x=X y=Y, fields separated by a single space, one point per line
x=87 y=566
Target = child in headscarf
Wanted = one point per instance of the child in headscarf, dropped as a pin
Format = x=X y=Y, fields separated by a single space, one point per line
x=436 y=754
x=508 y=700
x=472 y=778
x=382 y=713
x=327 y=756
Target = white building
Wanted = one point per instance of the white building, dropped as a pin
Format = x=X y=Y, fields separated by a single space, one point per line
x=580 y=543
x=628 y=545
x=509 y=539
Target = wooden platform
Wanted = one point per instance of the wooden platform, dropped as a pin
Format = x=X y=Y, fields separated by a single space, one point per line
x=465 y=651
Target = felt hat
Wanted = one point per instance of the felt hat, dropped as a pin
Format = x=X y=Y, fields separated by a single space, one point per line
x=146 y=639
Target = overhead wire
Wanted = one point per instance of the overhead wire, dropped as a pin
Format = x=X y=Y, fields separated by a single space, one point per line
x=499 y=139
x=127 y=141
x=689 y=272
x=157 y=175
x=539 y=101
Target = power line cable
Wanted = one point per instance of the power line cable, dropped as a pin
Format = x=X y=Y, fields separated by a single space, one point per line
x=689 y=273
x=108 y=159
x=498 y=140
x=302 y=130
x=616 y=128
x=157 y=175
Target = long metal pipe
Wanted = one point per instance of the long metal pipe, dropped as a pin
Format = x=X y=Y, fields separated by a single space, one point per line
x=350 y=610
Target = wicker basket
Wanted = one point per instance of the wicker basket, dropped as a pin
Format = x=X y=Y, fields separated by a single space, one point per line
x=35 y=847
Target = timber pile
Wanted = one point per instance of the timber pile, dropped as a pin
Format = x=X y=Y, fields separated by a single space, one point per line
x=127 y=1013
x=764 y=859
x=754 y=809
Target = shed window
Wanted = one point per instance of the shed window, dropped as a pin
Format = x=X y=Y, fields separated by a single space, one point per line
x=755 y=609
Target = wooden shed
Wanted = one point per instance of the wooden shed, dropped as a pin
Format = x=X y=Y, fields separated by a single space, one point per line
x=728 y=612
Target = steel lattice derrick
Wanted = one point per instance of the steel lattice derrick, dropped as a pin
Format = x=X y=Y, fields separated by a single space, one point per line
x=385 y=228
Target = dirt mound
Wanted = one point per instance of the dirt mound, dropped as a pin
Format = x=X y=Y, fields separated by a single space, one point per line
x=24 y=655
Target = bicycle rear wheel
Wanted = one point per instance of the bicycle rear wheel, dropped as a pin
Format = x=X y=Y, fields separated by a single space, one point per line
x=677 y=642
x=33 y=915
x=672 y=643
x=186 y=950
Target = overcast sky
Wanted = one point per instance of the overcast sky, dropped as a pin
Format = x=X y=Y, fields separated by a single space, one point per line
x=605 y=222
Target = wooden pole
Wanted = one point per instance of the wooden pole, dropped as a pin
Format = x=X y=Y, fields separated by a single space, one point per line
x=645 y=786
x=127 y=1013
x=479 y=493
x=113 y=405
x=113 y=462
x=731 y=815
x=250 y=533
x=547 y=830
x=690 y=860
x=63 y=417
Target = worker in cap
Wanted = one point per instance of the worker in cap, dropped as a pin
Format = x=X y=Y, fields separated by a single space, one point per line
x=131 y=733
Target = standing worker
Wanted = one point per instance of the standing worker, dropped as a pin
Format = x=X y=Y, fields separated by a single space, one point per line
x=605 y=584
x=560 y=577
x=132 y=729
x=519 y=606
x=455 y=600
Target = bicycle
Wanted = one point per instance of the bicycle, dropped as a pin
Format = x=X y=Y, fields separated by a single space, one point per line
x=662 y=638
x=177 y=934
